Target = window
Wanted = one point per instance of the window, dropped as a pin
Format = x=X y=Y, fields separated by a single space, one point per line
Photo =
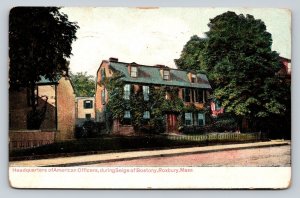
x=218 y=105
x=167 y=96
x=103 y=74
x=193 y=95
x=186 y=94
x=88 y=104
x=146 y=92
x=127 y=118
x=103 y=96
x=188 y=119
x=199 y=95
x=127 y=114
x=193 y=78
x=146 y=115
x=166 y=74
x=127 y=92
x=88 y=116
x=201 y=119
x=133 y=72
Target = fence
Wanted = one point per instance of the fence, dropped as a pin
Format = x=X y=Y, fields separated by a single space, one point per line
x=22 y=139
x=218 y=137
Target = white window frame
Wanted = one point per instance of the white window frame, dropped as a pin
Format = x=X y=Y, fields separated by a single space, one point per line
x=146 y=92
x=193 y=78
x=133 y=71
x=146 y=115
x=166 y=73
x=127 y=114
x=127 y=90
x=190 y=115
x=202 y=116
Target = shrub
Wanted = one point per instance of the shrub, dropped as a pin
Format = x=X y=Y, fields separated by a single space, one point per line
x=223 y=123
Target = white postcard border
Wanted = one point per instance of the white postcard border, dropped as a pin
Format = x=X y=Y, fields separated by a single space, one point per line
x=151 y=177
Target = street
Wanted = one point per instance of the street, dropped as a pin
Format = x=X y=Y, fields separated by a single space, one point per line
x=278 y=156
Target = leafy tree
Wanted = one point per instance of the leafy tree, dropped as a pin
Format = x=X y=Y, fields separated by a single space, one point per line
x=241 y=67
x=191 y=55
x=84 y=84
x=40 y=41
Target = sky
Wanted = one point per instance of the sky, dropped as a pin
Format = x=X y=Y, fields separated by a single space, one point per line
x=155 y=36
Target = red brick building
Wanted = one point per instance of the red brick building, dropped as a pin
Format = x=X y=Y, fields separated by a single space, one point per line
x=192 y=89
x=286 y=69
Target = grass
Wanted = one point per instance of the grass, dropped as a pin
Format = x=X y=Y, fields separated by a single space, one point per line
x=111 y=144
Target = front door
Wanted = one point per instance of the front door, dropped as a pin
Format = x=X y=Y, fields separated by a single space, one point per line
x=172 y=123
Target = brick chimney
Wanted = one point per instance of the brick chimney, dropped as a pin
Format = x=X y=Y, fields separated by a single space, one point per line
x=113 y=59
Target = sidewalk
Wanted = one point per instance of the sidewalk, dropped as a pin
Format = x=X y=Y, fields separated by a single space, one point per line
x=112 y=157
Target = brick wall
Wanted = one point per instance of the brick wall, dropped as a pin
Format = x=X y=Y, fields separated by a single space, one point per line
x=65 y=110
x=18 y=108
x=20 y=139
x=49 y=122
x=99 y=107
x=65 y=123
x=119 y=129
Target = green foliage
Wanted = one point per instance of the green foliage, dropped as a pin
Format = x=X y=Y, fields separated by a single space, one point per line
x=157 y=105
x=174 y=104
x=40 y=40
x=191 y=55
x=84 y=84
x=116 y=104
x=241 y=66
x=137 y=106
x=225 y=122
x=156 y=100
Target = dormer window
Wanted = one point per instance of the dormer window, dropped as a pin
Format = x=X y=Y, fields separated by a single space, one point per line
x=133 y=72
x=166 y=74
x=193 y=78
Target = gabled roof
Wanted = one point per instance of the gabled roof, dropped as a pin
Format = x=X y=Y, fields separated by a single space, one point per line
x=151 y=75
x=44 y=80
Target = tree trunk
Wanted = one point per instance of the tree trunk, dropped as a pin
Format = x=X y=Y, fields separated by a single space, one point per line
x=32 y=96
x=32 y=116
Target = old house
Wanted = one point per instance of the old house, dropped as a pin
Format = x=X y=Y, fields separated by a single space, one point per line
x=191 y=88
x=84 y=109
x=55 y=100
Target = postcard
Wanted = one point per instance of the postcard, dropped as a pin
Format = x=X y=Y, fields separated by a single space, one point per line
x=149 y=98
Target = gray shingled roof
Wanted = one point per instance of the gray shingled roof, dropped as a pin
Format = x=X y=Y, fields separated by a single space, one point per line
x=151 y=75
